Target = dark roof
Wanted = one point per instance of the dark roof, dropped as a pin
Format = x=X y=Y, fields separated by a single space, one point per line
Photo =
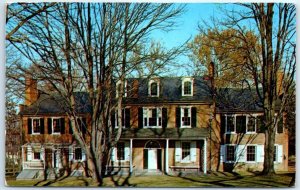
x=163 y=133
x=237 y=100
x=170 y=91
x=55 y=104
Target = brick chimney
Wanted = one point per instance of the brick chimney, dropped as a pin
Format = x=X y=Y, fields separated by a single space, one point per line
x=135 y=88
x=31 y=91
x=279 y=84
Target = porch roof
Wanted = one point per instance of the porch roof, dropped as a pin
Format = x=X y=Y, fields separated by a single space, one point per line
x=165 y=133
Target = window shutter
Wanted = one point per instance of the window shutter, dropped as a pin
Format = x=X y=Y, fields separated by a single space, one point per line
x=178 y=117
x=222 y=153
x=145 y=158
x=127 y=118
x=113 y=119
x=194 y=116
x=49 y=125
x=260 y=124
x=279 y=153
x=83 y=155
x=70 y=127
x=127 y=151
x=29 y=153
x=260 y=153
x=177 y=151
x=280 y=126
x=223 y=124
x=113 y=154
x=62 y=128
x=83 y=125
x=140 y=118
x=42 y=125
x=164 y=117
x=241 y=153
x=71 y=154
x=29 y=125
x=240 y=124
x=193 y=151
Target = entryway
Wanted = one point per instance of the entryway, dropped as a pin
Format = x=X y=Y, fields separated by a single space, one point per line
x=152 y=155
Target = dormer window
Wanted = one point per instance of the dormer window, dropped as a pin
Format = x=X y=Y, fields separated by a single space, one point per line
x=187 y=87
x=154 y=88
x=118 y=91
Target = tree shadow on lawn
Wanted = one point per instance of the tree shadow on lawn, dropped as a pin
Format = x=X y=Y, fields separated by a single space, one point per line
x=235 y=178
x=118 y=182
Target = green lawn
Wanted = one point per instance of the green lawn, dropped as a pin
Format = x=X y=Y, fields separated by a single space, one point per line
x=211 y=180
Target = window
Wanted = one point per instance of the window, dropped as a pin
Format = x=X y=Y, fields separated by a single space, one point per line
x=78 y=154
x=36 y=155
x=187 y=87
x=275 y=154
x=36 y=126
x=251 y=153
x=230 y=153
x=123 y=119
x=154 y=88
x=186 y=150
x=121 y=151
x=118 y=91
x=56 y=125
x=251 y=124
x=152 y=117
x=230 y=124
x=186 y=117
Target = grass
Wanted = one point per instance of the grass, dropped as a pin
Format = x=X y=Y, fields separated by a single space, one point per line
x=216 y=179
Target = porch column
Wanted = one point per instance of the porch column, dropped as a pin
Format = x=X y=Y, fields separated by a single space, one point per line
x=130 y=157
x=23 y=157
x=204 y=157
x=167 y=156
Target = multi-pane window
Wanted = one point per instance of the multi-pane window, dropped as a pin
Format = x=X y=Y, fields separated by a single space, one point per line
x=119 y=89
x=121 y=151
x=251 y=153
x=230 y=152
x=251 y=124
x=186 y=117
x=187 y=88
x=153 y=89
x=123 y=118
x=36 y=126
x=230 y=124
x=78 y=154
x=186 y=150
x=275 y=154
x=36 y=155
x=56 y=125
x=152 y=117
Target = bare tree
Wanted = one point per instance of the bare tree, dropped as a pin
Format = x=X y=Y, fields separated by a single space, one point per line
x=271 y=62
x=90 y=47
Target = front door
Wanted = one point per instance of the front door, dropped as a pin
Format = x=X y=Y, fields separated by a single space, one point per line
x=152 y=158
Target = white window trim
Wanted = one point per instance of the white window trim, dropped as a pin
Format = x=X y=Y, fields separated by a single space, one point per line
x=149 y=87
x=256 y=154
x=234 y=124
x=125 y=89
x=186 y=159
x=116 y=119
x=187 y=79
x=55 y=133
x=32 y=131
x=182 y=114
x=235 y=153
x=277 y=154
x=126 y=153
x=145 y=115
x=255 y=123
